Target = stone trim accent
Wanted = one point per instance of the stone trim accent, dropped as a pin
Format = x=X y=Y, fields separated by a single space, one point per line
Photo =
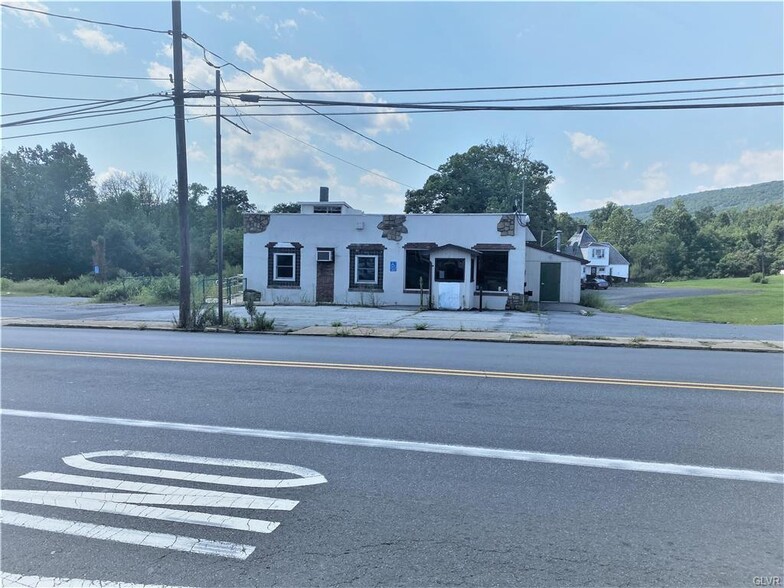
x=506 y=226
x=255 y=222
x=393 y=227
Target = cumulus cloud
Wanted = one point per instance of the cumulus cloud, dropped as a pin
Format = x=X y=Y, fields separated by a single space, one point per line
x=225 y=16
x=245 y=51
x=108 y=173
x=310 y=13
x=31 y=19
x=589 y=148
x=285 y=26
x=372 y=180
x=276 y=166
x=751 y=167
x=93 y=38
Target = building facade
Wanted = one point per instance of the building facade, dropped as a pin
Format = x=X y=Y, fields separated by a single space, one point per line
x=331 y=253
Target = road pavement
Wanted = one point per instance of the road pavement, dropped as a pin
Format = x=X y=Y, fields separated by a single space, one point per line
x=406 y=463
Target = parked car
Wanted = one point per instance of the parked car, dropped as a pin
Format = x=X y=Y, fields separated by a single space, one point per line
x=594 y=284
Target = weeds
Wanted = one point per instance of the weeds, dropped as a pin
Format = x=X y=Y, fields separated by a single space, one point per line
x=420 y=326
x=337 y=324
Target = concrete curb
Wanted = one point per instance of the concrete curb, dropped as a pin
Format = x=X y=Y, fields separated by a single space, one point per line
x=443 y=335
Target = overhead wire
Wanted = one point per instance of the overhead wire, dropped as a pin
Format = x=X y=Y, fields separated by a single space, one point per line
x=80 y=75
x=143 y=107
x=87 y=20
x=117 y=124
x=534 y=86
x=83 y=108
x=340 y=124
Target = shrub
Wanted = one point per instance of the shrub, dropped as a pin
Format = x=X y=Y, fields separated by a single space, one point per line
x=118 y=291
x=202 y=316
x=420 y=326
x=756 y=277
x=594 y=300
x=162 y=290
x=85 y=285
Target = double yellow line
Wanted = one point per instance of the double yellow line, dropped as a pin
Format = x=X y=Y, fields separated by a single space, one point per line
x=401 y=370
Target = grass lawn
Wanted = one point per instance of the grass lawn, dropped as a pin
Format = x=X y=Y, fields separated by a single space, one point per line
x=759 y=304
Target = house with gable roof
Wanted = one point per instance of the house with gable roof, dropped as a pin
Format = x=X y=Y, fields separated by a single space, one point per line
x=604 y=260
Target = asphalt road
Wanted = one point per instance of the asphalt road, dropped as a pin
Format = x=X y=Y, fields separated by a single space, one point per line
x=406 y=435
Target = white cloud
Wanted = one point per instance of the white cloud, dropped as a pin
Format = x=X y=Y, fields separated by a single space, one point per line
x=589 y=148
x=653 y=184
x=310 y=13
x=225 y=16
x=93 y=38
x=245 y=51
x=196 y=153
x=285 y=26
x=751 y=167
x=31 y=19
x=110 y=172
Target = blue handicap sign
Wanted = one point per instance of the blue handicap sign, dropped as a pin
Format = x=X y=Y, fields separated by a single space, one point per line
x=393 y=266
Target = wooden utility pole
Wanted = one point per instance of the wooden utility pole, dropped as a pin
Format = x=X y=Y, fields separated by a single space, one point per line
x=219 y=192
x=182 y=168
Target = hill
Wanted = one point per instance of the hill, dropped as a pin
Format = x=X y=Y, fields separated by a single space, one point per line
x=738 y=198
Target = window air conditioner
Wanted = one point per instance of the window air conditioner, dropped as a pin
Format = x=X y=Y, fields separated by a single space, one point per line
x=324 y=256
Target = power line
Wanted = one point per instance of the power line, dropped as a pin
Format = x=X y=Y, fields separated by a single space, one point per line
x=20 y=113
x=627 y=105
x=130 y=122
x=79 y=75
x=82 y=109
x=247 y=130
x=87 y=20
x=340 y=124
x=144 y=107
x=534 y=86
x=334 y=156
x=42 y=97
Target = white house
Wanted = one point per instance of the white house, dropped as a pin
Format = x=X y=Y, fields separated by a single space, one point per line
x=603 y=259
x=333 y=253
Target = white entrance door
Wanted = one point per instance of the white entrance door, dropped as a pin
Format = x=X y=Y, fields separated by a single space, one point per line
x=449 y=295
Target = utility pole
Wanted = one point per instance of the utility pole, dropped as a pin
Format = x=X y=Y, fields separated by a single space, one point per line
x=182 y=168
x=219 y=192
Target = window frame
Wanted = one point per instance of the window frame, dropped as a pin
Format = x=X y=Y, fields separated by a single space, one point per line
x=276 y=266
x=372 y=256
x=426 y=284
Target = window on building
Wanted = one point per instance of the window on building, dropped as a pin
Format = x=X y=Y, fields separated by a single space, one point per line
x=598 y=253
x=284 y=267
x=417 y=267
x=327 y=209
x=366 y=269
x=450 y=270
x=493 y=272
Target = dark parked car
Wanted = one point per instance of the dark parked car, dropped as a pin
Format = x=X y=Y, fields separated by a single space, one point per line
x=595 y=284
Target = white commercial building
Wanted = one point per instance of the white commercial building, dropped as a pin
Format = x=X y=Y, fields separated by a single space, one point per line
x=331 y=253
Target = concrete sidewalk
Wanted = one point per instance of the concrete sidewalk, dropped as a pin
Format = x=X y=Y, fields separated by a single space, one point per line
x=425 y=333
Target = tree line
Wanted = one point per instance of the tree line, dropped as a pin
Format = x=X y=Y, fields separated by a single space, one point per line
x=56 y=223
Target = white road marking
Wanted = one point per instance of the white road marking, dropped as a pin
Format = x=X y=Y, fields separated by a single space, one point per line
x=8 y=580
x=81 y=501
x=131 y=536
x=83 y=461
x=461 y=450
x=171 y=494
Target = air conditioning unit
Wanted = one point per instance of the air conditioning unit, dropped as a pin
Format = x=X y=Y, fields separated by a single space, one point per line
x=324 y=255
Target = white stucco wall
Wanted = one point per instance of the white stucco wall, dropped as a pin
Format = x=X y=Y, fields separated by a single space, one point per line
x=571 y=273
x=337 y=231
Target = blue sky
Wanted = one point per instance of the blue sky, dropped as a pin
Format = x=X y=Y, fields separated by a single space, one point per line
x=626 y=157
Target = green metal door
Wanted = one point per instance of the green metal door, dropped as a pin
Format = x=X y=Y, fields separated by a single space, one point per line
x=550 y=286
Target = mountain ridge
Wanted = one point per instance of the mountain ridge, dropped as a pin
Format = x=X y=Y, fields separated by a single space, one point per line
x=734 y=198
